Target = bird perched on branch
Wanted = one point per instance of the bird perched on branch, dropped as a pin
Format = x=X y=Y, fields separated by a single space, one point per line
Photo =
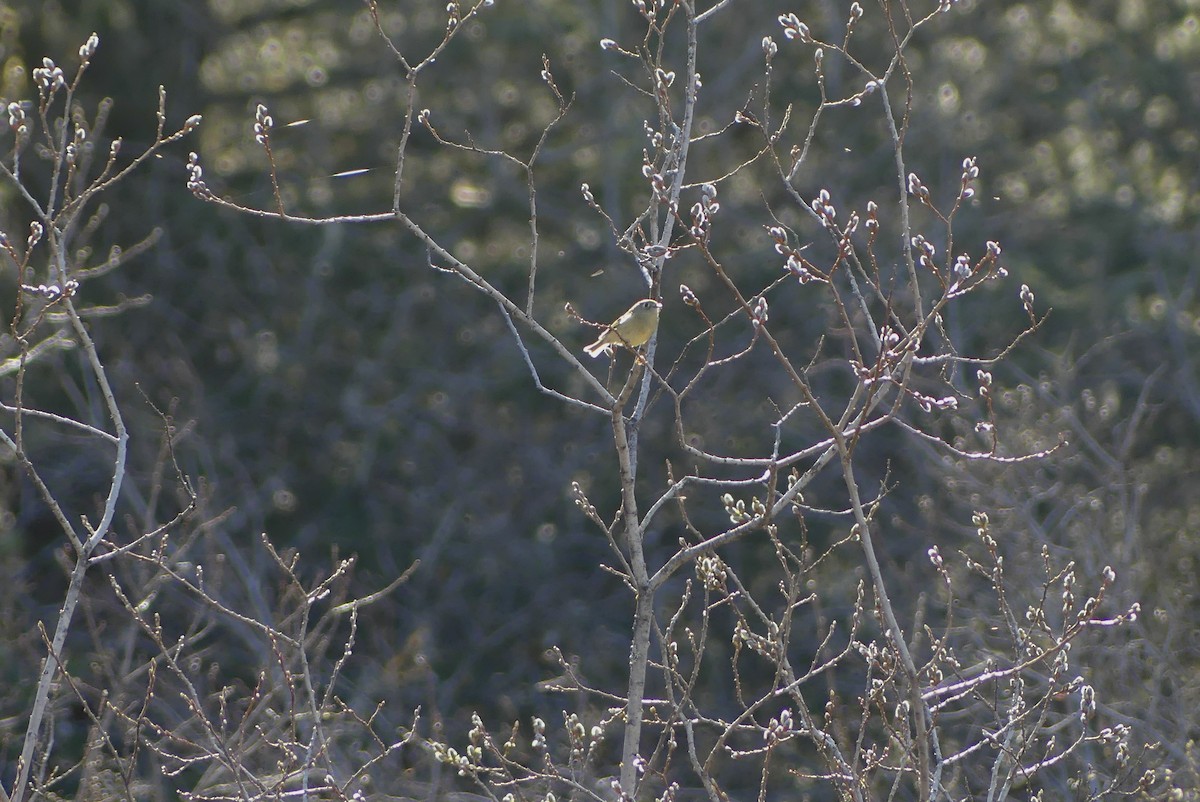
x=632 y=329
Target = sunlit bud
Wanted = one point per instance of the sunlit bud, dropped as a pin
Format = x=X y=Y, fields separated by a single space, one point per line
x=962 y=266
x=89 y=47
x=793 y=28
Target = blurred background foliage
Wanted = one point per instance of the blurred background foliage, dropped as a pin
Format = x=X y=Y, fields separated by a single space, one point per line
x=343 y=396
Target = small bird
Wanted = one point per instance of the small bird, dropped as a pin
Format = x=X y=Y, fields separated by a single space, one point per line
x=632 y=329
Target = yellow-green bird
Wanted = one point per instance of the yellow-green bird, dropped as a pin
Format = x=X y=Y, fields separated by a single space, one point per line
x=632 y=329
